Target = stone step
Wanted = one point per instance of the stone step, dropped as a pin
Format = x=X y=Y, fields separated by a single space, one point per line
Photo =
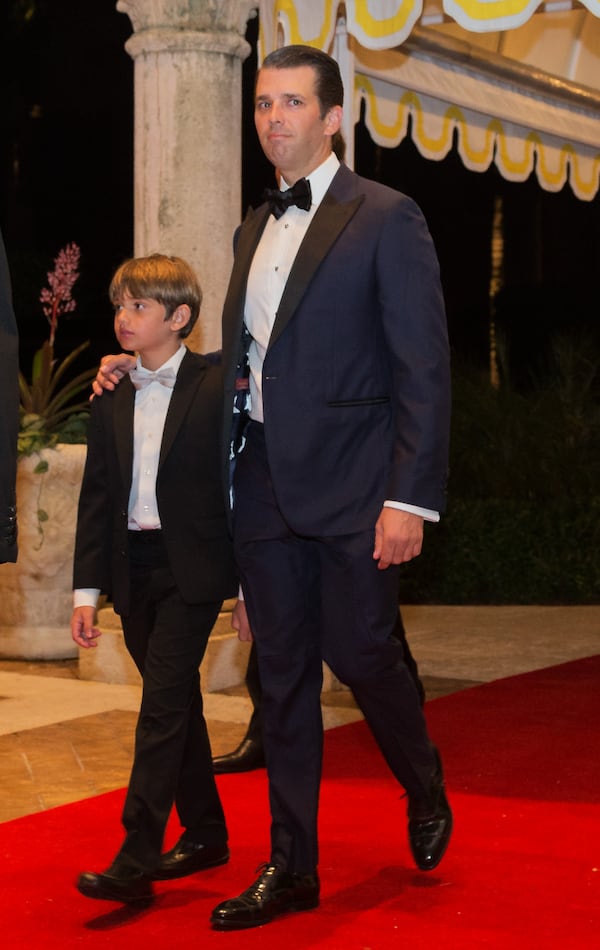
x=224 y=664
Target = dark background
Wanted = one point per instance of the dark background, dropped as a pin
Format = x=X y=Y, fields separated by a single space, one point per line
x=66 y=174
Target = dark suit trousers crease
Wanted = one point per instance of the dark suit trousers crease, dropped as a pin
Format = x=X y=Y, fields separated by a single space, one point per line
x=167 y=638
x=252 y=680
x=308 y=600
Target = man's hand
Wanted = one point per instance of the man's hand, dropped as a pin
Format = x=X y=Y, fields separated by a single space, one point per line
x=398 y=537
x=83 y=630
x=111 y=370
x=239 y=622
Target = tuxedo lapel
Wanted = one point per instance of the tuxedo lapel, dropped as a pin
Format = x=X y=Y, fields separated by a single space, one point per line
x=329 y=221
x=189 y=377
x=335 y=211
x=246 y=242
x=123 y=409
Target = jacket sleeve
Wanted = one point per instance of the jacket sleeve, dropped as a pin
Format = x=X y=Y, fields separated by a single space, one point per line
x=414 y=325
x=9 y=415
x=92 y=558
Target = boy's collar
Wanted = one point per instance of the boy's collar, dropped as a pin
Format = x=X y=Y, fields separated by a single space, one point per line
x=174 y=361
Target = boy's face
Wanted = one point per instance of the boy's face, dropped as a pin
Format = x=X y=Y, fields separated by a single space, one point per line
x=140 y=325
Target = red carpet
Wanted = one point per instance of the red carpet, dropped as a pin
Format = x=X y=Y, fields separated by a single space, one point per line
x=523 y=869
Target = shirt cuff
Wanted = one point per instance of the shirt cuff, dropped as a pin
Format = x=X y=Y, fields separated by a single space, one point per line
x=426 y=513
x=86 y=597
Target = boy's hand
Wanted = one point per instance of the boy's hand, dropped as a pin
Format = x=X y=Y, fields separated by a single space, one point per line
x=239 y=622
x=83 y=630
x=111 y=370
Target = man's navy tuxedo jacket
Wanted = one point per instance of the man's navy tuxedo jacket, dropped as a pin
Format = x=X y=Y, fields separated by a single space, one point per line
x=356 y=385
x=188 y=488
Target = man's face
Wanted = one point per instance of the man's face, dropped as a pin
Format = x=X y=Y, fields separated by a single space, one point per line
x=287 y=115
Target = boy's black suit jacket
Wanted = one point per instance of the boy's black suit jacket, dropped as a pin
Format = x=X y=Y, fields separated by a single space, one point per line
x=188 y=488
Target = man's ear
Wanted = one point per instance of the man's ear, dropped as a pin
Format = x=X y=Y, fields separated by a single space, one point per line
x=333 y=120
x=181 y=317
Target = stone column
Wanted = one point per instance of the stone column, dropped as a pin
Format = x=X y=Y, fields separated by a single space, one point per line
x=188 y=65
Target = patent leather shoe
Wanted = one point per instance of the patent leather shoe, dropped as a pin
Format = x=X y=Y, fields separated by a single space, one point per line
x=126 y=886
x=275 y=892
x=430 y=823
x=188 y=857
x=248 y=756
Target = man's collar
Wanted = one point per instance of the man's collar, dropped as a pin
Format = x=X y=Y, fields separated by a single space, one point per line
x=320 y=179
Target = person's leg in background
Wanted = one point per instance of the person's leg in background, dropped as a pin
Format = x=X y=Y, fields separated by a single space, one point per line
x=249 y=754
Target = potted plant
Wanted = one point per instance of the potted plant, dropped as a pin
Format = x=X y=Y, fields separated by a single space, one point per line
x=35 y=593
x=49 y=412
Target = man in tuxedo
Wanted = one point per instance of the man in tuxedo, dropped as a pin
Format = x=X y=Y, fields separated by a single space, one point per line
x=152 y=532
x=249 y=754
x=334 y=321
x=9 y=415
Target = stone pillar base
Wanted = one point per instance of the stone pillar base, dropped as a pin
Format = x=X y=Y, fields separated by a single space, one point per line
x=36 y=597
x=36 y=643
x=224 y=663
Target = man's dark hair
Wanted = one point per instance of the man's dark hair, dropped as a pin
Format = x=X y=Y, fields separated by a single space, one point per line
x=338 y=145
x=328 y=87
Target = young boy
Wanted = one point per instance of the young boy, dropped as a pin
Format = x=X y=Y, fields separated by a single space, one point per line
x=152 y=534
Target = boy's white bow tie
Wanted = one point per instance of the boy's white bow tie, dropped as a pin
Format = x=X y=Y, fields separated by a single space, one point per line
x=143 y=377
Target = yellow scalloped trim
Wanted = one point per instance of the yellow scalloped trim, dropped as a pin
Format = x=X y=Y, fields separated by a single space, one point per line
x=495 y=136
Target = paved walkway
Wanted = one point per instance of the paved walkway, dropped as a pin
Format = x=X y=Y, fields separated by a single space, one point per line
x=63 y=738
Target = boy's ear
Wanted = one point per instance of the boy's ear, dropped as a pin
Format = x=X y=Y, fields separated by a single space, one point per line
x=180 y=317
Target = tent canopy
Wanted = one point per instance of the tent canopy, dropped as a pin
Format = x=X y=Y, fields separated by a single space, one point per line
x=517 y=82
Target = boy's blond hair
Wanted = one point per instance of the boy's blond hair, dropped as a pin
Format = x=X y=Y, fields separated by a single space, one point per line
x=169 y=280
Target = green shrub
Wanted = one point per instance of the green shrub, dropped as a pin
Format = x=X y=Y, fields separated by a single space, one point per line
x=523 y=518
x=499 y=551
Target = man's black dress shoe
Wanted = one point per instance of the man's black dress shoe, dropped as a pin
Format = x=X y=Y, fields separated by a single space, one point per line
x=275 y=892
x=125 y=886
x=249 y=755
x=430 y=823
x=187 y=857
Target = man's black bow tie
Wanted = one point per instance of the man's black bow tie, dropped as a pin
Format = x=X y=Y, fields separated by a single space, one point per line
x=299 y=194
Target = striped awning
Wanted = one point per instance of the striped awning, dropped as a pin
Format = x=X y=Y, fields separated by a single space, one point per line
x=513 y=82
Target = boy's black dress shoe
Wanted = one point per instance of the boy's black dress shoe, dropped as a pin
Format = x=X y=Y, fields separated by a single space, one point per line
x=249 y=755
x=187 y=857
x=126 y=886
x=430 y=823
x=275 y=892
